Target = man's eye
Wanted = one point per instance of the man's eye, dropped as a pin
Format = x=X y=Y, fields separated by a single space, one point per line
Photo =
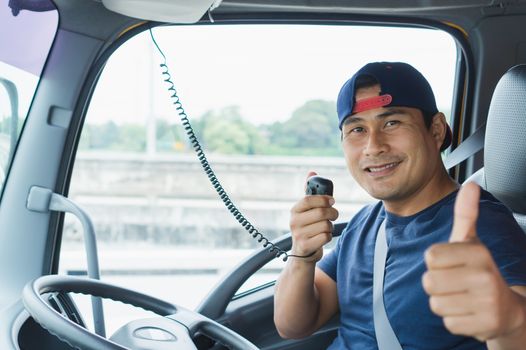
x=357 y=130
x=392 y=123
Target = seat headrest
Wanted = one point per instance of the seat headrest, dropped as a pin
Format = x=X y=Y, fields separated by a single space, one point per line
x=505 y=141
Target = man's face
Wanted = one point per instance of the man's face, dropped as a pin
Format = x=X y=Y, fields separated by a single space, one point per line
x=389 y=151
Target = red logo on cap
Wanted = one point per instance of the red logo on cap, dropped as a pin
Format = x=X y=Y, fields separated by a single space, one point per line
x=372 y=103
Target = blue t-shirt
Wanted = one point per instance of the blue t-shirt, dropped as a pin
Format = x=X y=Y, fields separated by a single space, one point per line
x=350 y=264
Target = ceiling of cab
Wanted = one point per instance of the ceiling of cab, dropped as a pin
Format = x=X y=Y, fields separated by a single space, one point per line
x=371 y=6
x=465 y=13
x=92 y=18
x=366 y=5
x=174 y=11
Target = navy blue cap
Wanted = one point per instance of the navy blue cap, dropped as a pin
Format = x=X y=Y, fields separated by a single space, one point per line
x=401 y=83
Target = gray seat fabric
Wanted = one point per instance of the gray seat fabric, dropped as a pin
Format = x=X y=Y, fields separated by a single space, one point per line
x=504 y=172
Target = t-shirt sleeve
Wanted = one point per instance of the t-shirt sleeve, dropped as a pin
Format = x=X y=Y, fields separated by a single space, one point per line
x=329 y=262
x=506 y=241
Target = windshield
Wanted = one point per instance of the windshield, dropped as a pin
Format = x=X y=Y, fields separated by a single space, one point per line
x=261 y=100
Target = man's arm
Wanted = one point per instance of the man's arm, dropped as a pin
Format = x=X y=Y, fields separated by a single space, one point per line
x=305 y=297
x=305 y=300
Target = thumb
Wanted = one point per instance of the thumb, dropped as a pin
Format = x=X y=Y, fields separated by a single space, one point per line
x=466 y=214
x=311 y=173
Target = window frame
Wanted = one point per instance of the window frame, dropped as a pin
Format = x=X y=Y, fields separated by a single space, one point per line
x=462 y=94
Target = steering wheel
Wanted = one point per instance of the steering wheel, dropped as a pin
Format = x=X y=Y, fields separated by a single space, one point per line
x=173 y=331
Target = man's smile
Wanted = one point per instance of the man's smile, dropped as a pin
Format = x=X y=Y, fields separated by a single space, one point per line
x=378 y=170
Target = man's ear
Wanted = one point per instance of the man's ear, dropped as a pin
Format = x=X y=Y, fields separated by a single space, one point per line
x=438 y=129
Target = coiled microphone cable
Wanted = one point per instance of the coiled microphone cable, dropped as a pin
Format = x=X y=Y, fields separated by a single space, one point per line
x=254 y=232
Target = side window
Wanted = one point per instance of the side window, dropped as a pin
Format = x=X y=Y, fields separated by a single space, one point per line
x=261 y=99
x=22 y=56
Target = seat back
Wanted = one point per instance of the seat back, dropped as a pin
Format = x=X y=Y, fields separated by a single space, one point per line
x=504 y=172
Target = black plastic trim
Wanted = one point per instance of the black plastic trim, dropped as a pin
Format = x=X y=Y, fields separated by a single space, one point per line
x=253 y=290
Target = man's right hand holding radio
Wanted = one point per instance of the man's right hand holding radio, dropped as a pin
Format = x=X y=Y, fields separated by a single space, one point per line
x=311 y=225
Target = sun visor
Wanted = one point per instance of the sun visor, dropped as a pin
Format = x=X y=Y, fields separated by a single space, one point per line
x=171 y=11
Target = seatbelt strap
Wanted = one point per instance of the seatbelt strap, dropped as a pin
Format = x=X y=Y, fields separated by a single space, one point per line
x=470 y=146
x=385 y=336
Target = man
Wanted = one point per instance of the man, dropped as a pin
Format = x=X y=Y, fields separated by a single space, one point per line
x=446 y=286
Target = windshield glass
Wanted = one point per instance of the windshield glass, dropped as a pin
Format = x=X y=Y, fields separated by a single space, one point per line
x=261 y=99
x=23 y=52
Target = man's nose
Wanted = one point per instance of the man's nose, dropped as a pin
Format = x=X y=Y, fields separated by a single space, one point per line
x=375 y=144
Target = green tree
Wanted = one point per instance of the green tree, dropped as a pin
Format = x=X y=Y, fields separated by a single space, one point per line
x=131 y=138
x=171 y=137
x=227 y=132
x=312 y=129
x=102 y=136
x=110 y=136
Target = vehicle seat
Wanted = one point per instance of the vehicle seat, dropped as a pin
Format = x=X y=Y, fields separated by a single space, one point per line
x=504 y=171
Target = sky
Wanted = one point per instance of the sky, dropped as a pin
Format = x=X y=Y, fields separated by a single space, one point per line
x=268 y=71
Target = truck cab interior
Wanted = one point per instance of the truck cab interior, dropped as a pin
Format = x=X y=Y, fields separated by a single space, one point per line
x=150 y=152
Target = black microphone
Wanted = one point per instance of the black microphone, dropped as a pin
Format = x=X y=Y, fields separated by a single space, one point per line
x=319 y=185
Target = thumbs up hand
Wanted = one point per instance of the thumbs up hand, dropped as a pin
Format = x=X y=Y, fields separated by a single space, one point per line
x=463 y=282
x=466 y=214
